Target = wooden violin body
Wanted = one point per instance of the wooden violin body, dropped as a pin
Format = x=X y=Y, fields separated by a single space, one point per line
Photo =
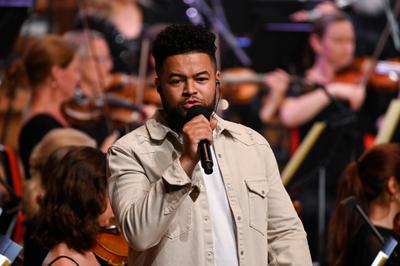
x=112 y=248
x=384 y=75
x=117 y=105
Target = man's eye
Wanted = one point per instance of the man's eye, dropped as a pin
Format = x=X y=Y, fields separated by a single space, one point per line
x=175 y=81
x=202 y=79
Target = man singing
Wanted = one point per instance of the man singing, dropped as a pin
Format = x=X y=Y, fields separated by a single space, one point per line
x=171 y=211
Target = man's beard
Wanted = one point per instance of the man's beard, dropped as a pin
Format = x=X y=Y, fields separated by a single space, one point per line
x=175 y=119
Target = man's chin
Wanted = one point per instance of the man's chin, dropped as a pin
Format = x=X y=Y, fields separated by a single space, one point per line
x=176 y=119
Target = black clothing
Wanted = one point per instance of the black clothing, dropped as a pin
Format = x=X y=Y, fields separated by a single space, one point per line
x=32 y=133
x=63 y=257
x=366 y=246
x=34 y=251
x=338 y=145
x=96 y=129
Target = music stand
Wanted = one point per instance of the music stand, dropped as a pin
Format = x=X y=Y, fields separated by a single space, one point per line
x=9 y=250
x=390 y=123
x=347 y=119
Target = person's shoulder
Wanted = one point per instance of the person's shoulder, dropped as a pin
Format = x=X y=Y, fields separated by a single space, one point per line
x=243 y=133
x=43 y=119
x=133 y=138
x=39 y=125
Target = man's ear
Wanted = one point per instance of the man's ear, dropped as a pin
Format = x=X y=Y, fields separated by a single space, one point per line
x=218 y=75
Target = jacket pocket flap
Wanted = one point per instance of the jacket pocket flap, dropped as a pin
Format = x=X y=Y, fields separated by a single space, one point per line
x=258 y=186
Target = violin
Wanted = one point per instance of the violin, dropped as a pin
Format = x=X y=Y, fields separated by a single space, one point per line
x=111 y=246
x=240 y=85
x=116 y=105
x=384 y=76
x=126 y=87
x=120 y=113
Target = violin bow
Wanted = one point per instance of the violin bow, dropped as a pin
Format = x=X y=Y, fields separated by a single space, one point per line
x=379 y=47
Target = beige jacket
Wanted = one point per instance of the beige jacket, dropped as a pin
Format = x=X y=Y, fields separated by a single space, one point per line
x=164 y=214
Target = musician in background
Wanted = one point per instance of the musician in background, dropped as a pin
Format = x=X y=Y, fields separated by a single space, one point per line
x=51 y=66
x=122 y=24
x=375 y=181
x=368 y=17
x=35 y=188
x=333 y=102
x=71 y=215
x=95 y=61
x=95 y=68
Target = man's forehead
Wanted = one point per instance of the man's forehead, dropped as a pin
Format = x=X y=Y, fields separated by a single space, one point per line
x=188 y=63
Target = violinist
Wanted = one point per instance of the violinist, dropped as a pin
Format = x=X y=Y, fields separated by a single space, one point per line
x=95 y=68
x=71 y=215
x=375 y=181
x=333 y=102
x=95 y=61
x=51 y=67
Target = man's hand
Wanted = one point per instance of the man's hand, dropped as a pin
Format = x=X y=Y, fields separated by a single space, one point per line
x=194 y=131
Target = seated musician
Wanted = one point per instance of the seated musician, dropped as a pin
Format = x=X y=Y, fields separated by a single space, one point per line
x=98 y=85
x=333 y=102
x=375 y=181
x=51 y=67
x=34 y=188
x=95 y=68
x=71 y=215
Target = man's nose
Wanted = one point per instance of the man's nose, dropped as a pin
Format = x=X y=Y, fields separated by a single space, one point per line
x=189 y=88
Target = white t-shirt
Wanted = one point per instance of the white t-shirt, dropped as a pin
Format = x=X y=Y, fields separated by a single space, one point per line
x=221 y=217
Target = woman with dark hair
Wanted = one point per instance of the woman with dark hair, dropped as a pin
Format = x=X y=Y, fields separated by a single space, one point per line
x=375 y=180
x=74 y=207
x=50 y=66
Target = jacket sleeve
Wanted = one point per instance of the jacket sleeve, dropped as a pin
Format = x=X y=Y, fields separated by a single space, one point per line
x=287 y=240
x=144 y=210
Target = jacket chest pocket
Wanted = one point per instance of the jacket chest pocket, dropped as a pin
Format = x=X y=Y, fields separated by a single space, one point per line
x=182 y=221
x=257 y=190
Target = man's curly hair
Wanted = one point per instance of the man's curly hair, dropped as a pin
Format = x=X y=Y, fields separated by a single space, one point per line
x=181 y=39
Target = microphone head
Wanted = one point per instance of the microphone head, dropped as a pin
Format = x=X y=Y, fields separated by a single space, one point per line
x=196 y=110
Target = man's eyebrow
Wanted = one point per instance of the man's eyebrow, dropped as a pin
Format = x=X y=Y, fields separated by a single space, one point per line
x=174 y=74
x=201 y=73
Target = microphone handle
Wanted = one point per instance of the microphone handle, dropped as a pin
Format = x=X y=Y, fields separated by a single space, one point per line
x=205 y=156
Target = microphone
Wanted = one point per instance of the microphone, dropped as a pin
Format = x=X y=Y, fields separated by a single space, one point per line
x=204 y=145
